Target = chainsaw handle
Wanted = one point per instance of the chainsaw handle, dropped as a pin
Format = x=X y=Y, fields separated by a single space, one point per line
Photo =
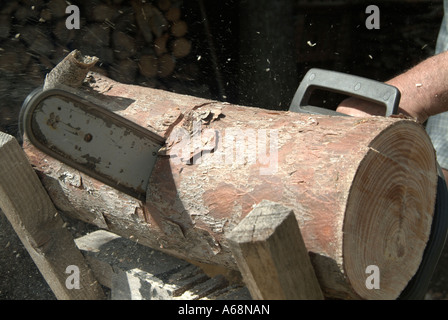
x=351 y=85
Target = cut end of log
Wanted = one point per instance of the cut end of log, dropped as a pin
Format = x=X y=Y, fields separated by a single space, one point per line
x=389 y=212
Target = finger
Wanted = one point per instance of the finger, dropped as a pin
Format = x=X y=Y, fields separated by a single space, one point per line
x=353 y=111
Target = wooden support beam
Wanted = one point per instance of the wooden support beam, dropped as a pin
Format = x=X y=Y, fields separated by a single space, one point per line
x=271 y=255
x=39 y=226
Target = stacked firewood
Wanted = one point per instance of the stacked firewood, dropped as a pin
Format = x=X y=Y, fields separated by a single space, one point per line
x=136 y=41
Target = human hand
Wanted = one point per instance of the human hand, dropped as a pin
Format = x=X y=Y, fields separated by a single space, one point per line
x=356 y=107
x=361 y=108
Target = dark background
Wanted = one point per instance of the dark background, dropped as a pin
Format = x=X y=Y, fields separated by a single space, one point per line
x=249 y=52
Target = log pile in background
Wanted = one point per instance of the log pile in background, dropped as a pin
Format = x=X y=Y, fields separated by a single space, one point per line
x=138 y=42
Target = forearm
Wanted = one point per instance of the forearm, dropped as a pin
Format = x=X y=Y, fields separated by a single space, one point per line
x=424 y=88
x=424 y=91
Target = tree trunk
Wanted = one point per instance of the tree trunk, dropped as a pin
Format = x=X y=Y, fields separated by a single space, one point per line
x=362 y=189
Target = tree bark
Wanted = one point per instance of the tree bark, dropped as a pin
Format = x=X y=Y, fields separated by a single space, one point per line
x=362 y=190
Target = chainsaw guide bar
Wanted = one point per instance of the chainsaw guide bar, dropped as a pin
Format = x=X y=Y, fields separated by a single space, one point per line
x=91 y=139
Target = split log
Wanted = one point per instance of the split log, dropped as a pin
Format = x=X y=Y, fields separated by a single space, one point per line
x=124 y=45
x=164 y=5
x=362 y=190
x=142 y=22
x=149 y=19
x=125 y=71
x=158 y=23
x=173 y=14
x=166 y=65
x=111 y=30
x=148 y=66
x=181 y=47
x=179 y=29
x=160 y=44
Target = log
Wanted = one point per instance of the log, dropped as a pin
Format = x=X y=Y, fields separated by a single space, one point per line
x=362 y=189
x=142 y=21
x=124 y=45
x=164 y=5
x=166 y=66
x=271 y=255
x=158 y=22
x=181 y=47
x=179 y=29
x=149 y=19
x=125 y=71
x=173 y=14
x=160 y=44
x=148 y=66
x=114 y=31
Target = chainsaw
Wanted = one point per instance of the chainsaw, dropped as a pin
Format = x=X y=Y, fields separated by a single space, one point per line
x=80 y=133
